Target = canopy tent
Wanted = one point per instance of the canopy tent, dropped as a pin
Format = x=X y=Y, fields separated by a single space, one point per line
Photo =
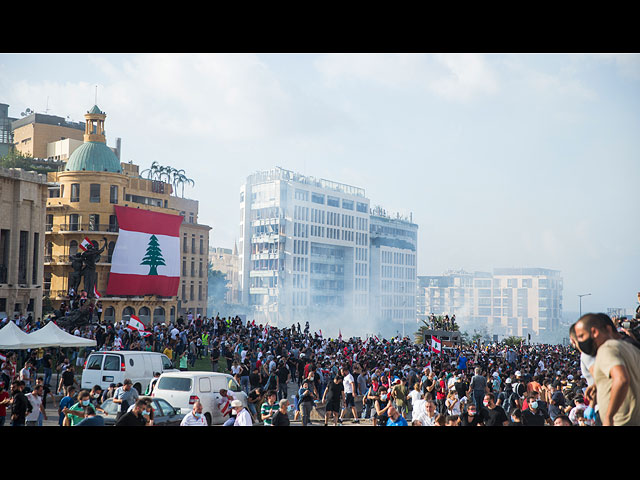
x=12 y=338
x=53 y=336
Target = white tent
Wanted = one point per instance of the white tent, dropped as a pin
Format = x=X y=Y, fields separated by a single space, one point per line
x=12 y=338
x=53 y=336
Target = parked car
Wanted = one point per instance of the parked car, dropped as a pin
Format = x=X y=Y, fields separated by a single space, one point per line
x=164 y=414
x=183 y=389
x=104 y=368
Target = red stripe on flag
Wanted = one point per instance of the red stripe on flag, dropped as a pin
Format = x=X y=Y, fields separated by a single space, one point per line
x=128 y=284
x=146 y=221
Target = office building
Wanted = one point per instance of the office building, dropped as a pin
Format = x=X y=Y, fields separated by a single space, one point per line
x=508 y=301
x=23 y=197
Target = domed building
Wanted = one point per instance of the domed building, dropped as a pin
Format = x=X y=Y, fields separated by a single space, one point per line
x=81 y=205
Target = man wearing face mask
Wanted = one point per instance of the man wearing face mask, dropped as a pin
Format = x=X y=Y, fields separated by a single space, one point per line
x=616 y=371
x=470 y=417
x=533 y=416
x=135 y=417
x=76 y=413
x=194 y=418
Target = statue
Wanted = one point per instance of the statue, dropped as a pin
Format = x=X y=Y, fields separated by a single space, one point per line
x=90 y=257
x=78 y=269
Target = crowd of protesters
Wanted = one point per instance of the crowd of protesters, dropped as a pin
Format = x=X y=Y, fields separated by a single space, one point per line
x=371 y=381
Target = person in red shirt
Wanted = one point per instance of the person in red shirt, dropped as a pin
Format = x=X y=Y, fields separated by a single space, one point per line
x=441 y=395
x=4 y=401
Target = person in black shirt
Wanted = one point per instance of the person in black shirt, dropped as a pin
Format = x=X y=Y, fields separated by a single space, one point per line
x=281 y=417
x=282 y=373
x=491 y=414
x=215 y=356
x=470 y=417
x=134 y=418
x=333 y=394
x=533 y=416
x=21 y=406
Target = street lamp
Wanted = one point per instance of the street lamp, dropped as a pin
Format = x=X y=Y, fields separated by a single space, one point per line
x=580 y=296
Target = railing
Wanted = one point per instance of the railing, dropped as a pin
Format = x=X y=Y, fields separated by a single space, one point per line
x=87 y=227
x=66 y=259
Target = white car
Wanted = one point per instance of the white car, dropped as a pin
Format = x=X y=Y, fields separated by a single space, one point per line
x=104 y=368
x=184 y=389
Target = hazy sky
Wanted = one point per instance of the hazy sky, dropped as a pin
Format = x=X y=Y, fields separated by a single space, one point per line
x=504 y=160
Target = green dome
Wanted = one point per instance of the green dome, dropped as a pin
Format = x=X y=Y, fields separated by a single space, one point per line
x=93 y=157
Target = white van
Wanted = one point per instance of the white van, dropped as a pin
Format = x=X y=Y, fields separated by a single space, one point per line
x=183 y=389
x=104 y=368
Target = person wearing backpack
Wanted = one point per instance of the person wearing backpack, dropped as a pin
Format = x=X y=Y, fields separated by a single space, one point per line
x=519 y=389
x=399 y=394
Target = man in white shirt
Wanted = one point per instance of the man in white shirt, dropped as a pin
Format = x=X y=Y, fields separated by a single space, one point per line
x=428 y=417
x=35 y=398
x=349 y=392
x=194 y=418
x=243 y=417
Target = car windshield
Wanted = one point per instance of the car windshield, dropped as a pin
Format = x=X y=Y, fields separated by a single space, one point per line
x=110 y=407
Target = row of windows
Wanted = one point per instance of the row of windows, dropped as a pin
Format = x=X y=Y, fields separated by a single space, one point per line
x=191 y=292
x=185 y=244
x=94 y=193
x=201 y=272
x=332 y=201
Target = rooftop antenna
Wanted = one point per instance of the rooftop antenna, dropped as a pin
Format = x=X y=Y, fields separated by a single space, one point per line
x=96 y=100
x=46 y=110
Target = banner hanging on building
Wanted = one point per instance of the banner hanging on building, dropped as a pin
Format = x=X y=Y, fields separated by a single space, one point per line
x=146 y=258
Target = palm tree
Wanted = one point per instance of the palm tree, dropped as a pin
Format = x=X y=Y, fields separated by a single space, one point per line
x=152 y=172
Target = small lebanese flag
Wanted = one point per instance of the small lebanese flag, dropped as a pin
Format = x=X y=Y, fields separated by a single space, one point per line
x=3 y=358
x=85 y=244
x=146 y=258
x=95 y=292
x=340 y=334
x=135 y=324
x=436 y=345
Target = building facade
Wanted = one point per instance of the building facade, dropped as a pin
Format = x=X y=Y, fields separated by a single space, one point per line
x=23 y=197
x=6 y=132
x=312 y=250
x=509 y=301
x=81 y=203
x=194 y=237
x=227 y=261
x=393 y=264
x=33 y=133
x=303 y=242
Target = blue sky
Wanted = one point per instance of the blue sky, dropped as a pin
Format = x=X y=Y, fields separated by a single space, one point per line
x=504 y=160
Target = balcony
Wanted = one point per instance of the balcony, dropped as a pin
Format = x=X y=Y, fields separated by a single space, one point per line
x=83 y=228
x=64 y=259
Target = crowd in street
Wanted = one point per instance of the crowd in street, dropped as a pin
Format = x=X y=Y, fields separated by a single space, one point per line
x=380 y=382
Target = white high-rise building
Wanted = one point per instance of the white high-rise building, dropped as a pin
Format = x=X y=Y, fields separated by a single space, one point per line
x=393 y=269
x=303 y=248
x=312 y=250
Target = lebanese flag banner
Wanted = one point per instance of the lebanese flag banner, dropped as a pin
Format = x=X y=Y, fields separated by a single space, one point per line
x=95 y=292
x=135 y=324
x=436 y=345
x=146 y=259
x=84 y=244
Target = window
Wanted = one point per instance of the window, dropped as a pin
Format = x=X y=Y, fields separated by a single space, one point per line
x=113 y=194
x=362 y=207
x=94 y=362
x=174 y=383
x=73 y=222
x=111 y=363
x=94 y=222
x=75 y=192
x=317 y=198
x=113 y=223
x=49 y=224
x=333 y=201
x=94 y=193
x=347 y=204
